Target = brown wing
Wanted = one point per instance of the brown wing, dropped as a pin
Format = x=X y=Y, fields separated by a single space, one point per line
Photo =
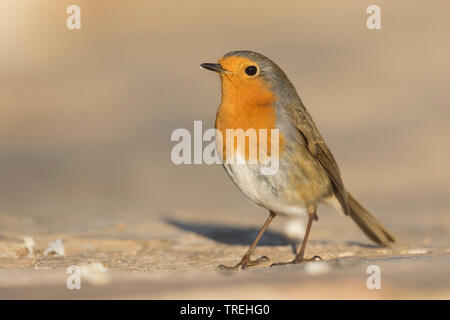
x=302 y=120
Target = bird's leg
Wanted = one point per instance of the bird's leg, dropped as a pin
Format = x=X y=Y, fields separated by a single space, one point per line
x=246 y=261
x=299 y=257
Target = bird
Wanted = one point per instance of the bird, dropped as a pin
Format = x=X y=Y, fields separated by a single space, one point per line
x=258 y=95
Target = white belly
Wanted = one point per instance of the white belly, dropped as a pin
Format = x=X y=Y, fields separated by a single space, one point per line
x=263 y=190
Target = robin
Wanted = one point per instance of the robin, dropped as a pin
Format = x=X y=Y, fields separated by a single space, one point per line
x=257 y=94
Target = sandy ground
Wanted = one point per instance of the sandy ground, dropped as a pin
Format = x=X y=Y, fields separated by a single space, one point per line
x=180 y=262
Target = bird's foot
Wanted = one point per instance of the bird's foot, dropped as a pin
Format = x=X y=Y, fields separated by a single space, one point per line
x=245 y=263
x=297 y=261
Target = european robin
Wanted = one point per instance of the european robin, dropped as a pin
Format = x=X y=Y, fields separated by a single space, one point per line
x=257 y=94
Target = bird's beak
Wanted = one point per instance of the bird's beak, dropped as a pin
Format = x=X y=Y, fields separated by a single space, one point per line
x=213 y=67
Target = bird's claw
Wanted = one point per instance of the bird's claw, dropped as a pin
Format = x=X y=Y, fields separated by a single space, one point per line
x=297 y=261
x=245 y=263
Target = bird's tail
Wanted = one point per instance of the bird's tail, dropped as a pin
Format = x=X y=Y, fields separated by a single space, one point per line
x=367 y=222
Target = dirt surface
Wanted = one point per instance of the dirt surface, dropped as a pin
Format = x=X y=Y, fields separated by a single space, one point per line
x=180 y=261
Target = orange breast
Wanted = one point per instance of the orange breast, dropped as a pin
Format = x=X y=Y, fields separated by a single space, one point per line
x=246 y=105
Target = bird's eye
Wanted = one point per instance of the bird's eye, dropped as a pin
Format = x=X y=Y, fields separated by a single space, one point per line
x=251 y=70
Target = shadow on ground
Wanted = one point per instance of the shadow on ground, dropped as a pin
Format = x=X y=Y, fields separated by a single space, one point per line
x=231 y=235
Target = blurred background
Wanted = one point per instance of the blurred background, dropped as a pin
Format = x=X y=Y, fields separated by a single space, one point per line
x=86 y=115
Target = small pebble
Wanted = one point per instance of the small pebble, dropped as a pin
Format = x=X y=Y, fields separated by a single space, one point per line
x=316 y=268
x=56 y=247
x=29 y=244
